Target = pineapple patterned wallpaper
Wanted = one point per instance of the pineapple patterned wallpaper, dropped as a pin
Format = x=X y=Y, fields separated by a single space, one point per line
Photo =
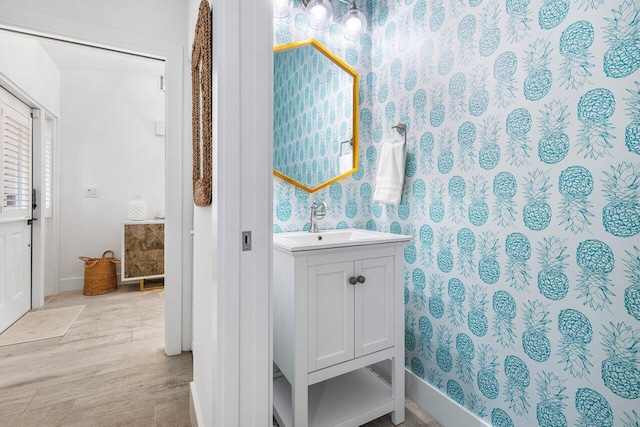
x=308 y=129
x=522 y=286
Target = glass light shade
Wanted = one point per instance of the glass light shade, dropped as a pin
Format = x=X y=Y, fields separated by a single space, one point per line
x=320 y=13
x=354 y=24
x=281 y=8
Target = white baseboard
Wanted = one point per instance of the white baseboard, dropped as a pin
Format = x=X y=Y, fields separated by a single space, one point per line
x=195 y=412
x=71 y=284
x=439 y=405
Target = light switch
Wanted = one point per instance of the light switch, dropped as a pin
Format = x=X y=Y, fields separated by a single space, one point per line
x=90 y=192
x=160 y=128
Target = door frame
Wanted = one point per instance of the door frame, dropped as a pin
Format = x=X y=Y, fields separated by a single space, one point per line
x=178 y=222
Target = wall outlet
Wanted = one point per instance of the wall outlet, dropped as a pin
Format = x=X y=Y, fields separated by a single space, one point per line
x=90 y=192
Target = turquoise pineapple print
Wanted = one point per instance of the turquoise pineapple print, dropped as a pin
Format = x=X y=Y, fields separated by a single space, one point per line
x=427 y=143
x=554 y=144
x=575 y=42
x=411 y=78
x=596 y=260
x=419 y=284
x=404 y=207
x=500 y=418
x=595 y=108
x=518 y=127
x=436 y=208
x=535 y=342
x=445 y=159
x=539 y=77
x=417 y=367
x=283 y=197
x=476 y=405
x=464 y=359
x=631 y=420
x=466 y=39
x=446 y=58
x=419 y=195
x=593 y=408
x=410 y=252
x=409 y=331
x=351 y=208
x=518 y=380
x=457 y=192
x=474 y=3
x=466 y=241
x=457 y=101
x=518 y=22
x=437 y=15
x=505 y=188
x=445 y=256
x=407 y=282
x=621 y=215
x=590 y=4
x=575 y=185
x=632 y=293
x=411 y=163
x=434 y=377
x=490 y=153
x=622 y=35
x=488 y=267
x=632 y=131
x=365 y=199
x=419 y=106
x=404 y=39
x=426 y=335
x=536 y=213
x=372 y=161
x=436 y=117
x=479 y=99
x=478 y=208
x=487 y=370
x=443 y=351
x=552 y=13
x=426 y=245
x=419 y=13
x=577 y=334
x=302 y=203
x=490 y=34
x=436 y=289
x=518 y=250
x=552 y=280
x=505 y=310
x=477 y=318
x=621 y=368
x=456 y=7
x=466 y=140
x=504 y=69
x=551 y=390
x=395 y=72
x=427 y=51
x=457 y=296
x=454 y=391
x=335 y=193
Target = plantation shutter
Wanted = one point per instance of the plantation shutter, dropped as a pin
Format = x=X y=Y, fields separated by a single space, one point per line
x=48 y=173
x=15 y=158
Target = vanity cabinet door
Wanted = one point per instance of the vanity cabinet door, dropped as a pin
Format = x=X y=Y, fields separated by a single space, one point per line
x=374 y=310
x=330 y=299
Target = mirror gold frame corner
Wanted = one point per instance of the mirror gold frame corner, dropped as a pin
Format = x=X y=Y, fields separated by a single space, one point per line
x=356 y=111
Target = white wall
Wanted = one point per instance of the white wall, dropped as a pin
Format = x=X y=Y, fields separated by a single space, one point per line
x=108 y=141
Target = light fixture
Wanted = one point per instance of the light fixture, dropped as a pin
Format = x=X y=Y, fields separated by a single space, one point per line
x=354 y=23
x=281 y=8
x=320 y=13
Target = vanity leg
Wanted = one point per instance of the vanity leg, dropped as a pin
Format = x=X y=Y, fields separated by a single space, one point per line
x=300 y=396
x=397 y=389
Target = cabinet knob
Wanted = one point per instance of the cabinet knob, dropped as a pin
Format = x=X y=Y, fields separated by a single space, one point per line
x=361 y=279
x=353 y=280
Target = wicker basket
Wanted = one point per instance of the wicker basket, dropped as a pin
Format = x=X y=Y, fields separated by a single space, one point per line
x=100 y=274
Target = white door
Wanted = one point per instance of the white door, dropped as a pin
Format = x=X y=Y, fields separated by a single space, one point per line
x=330 y=304
x=15 y=209
x=374 y=312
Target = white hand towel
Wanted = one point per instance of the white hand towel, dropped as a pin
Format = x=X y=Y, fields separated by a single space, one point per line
x=346 y=163
x=390 y=176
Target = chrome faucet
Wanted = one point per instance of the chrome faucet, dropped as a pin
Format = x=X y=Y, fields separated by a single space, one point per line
x=317 y=212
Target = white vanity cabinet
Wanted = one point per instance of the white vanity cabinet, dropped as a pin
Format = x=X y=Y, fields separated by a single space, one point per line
x=338 y=310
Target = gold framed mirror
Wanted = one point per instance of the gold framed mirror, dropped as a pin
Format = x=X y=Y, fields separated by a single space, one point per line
x=315 y=116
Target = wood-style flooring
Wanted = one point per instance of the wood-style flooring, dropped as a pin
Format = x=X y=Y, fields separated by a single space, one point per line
x=108 y=370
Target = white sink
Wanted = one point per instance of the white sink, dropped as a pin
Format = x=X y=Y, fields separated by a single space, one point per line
x=326 y=239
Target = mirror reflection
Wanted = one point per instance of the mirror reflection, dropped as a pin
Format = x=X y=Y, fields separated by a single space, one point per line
x=315 y=128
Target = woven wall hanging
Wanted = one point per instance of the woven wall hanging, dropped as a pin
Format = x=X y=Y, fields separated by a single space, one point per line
x=201 y=101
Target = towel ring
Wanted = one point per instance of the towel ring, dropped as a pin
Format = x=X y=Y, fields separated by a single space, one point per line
x=402 y=130
x=350 y=142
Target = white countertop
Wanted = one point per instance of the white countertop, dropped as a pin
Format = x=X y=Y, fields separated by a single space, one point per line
x=327 y=239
